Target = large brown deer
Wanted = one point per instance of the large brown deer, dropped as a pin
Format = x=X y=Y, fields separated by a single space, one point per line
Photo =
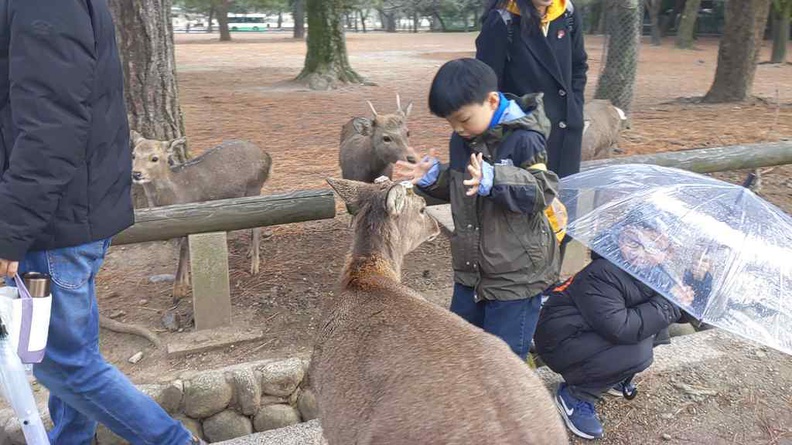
x=389 y=367
x=370 y=147
x=233 y=169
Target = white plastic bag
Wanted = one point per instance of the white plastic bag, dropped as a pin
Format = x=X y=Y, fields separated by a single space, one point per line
x=27 y=321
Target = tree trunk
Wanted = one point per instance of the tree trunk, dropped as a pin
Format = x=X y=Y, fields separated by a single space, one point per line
x=326 y=63
x=781 y=32
x=687 y=25
x=415 y=22
x=670 y=20
x=617 y=82
x=221 y=9
x=654 y=17
x=441 y=21
x=362 y=20
x=388 y=20
x=144 y=34
x=299 y=19
x=739 y=51
x=280 y=20
x=210 y=25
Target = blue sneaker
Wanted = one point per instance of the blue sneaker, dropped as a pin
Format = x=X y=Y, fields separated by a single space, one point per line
x=620 y=389
x=580 y=416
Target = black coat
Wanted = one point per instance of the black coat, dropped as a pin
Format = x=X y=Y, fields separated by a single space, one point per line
x=64 y=137
x=554 y=65
x=600 y=325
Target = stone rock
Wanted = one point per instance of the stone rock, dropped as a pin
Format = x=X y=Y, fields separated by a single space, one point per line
x=171 y=320
x=281 y=378
x=192 y=425
x=678 y=330
x=308 y=406
x=163 y=278
x=13 y=432
x=169 y=396
x=275 y=416
x=106 y=437
x=226 y=425
x=248 y=390
x=272 y=400
x=667 y=437
x=136 y=358
x=206 y=395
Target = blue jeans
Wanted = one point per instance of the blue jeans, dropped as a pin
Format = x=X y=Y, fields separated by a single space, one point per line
x=84 y=388
x=513 y=321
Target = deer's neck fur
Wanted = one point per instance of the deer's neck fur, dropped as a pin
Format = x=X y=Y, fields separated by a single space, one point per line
x=371 y=257
x=170 y=188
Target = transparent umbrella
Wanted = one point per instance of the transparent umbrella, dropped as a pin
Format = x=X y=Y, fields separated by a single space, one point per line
x=715 y=249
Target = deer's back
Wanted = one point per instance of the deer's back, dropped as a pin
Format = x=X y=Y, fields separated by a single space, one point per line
x=392 y=368
x=233 y=169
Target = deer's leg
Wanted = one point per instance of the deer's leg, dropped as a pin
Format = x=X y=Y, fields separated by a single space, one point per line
x=182 y=282
x=255 y=246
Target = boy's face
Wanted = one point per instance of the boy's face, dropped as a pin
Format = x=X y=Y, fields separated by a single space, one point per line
x=643 y=248
x=474 y=119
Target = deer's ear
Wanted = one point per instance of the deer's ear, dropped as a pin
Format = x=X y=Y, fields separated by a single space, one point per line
x=349 y=191
x=397 y=197
x=135 y=138
x=362 y=126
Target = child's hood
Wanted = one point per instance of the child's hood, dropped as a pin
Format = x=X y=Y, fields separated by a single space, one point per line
x=526 y=112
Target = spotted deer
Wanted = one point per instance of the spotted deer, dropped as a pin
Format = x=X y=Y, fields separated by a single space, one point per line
x=389 y=367
x=233 y=169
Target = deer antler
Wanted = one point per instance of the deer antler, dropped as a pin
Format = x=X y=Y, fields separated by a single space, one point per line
x=373 y=110
x=398 y=102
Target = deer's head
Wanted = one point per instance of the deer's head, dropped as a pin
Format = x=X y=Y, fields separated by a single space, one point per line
x=152 y=159
x=390 y=137
x=391 y=217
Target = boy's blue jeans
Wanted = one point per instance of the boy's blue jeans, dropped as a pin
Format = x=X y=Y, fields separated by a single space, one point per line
x=513 y=321
x=83 y=387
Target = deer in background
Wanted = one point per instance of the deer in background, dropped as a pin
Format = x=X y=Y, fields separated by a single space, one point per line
x=603 y=124
x=233 y=169
x=389 y=367
x=370 y=147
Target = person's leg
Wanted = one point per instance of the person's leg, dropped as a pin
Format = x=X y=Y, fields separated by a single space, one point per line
x=463 y=303
x=83 y=387
x=514 y=321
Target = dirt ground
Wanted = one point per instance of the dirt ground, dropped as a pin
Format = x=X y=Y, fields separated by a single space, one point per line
x=242 y=90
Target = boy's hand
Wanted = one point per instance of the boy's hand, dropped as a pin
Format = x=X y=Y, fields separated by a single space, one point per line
x=683 y=294
x=476 y=173
x=406 y=171
x=8 y=268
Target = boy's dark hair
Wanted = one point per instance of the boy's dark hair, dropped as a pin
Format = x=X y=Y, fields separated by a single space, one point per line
x=459 y=83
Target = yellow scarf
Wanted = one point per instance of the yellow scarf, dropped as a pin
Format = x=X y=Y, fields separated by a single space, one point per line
x=554 y=11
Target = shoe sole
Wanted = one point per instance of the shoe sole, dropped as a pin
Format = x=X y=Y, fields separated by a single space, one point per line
x=569 y=423
x=614 y=393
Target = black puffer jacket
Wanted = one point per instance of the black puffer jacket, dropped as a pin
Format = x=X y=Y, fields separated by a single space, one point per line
x=64 y=138
x=600 y=325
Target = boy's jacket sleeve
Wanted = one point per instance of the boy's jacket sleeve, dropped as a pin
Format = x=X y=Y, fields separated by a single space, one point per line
x=525 y=188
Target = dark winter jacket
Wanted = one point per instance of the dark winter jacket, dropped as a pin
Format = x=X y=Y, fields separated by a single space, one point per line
x=554 y=65
x=502 y=243
x=600 y=325
x=64 y=137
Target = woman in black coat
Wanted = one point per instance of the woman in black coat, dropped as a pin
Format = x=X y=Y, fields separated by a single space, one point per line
x=537 y=46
